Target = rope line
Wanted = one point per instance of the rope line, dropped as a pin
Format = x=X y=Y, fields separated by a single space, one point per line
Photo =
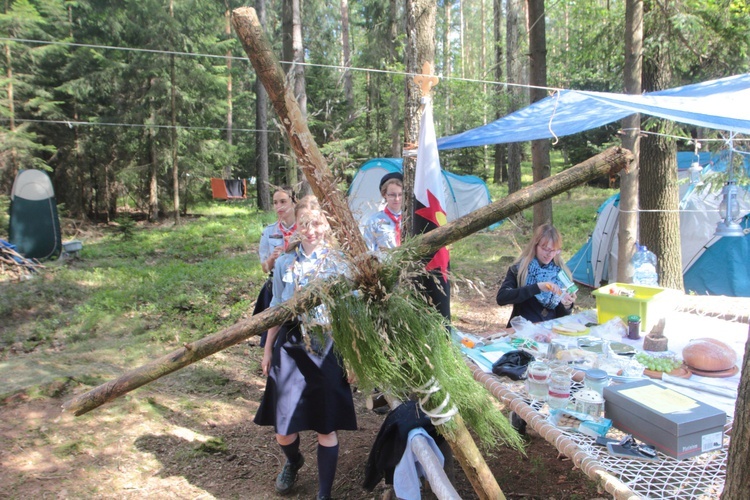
x=78 y=123
x=238 y=58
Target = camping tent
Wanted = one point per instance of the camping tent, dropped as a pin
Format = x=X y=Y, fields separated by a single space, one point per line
x=710 y=264
x=34 y=222
x=463 y=193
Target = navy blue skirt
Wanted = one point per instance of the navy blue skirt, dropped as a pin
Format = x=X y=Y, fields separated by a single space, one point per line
x=264 y=302
x=306 y=387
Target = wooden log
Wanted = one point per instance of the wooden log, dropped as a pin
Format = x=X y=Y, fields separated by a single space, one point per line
x=190 y=353
x=425 y=245
x=313 y=164
x=610 y=161
x=316 y=170
x=473 y=463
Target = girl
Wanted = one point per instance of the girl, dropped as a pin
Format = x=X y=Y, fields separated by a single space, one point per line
x=383 y=229
x=532 y=285
x=307 y=388
x=273 y=242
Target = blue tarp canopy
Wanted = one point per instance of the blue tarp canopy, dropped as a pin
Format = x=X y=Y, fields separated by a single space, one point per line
x=722 y=104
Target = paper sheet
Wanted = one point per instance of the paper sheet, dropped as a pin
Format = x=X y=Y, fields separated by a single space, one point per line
x=660 y=399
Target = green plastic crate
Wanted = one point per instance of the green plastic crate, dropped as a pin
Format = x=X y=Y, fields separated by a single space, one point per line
x=651 y=303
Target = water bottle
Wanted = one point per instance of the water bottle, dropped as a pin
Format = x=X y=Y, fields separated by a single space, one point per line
x=644 y=267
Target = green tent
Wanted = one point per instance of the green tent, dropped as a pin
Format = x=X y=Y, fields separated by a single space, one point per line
x=34 y=223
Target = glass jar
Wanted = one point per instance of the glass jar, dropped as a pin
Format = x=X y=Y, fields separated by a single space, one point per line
x=537 y=378
x=558 y=393
x=596 y=380
x=634 y=327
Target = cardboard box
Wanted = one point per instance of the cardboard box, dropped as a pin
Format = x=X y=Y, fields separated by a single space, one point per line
x=651 y=303
x=677 y=425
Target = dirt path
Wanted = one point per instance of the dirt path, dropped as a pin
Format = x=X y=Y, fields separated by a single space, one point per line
x=190 y=435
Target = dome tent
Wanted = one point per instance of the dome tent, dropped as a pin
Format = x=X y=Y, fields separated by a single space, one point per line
x=463 y=193
x=713 y=265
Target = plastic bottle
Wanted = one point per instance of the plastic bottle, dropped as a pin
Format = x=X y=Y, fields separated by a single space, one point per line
x=644 y=267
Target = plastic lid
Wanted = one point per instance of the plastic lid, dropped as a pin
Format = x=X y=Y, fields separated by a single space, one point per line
x=596 y=374
x=588 y=396
x=634 y=318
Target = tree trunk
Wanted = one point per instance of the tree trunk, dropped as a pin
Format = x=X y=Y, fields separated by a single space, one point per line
x=397 y=145
x=11 y=110
x=175 y=148
x=447 y=61
x=420 y=48
x=737 y=483
x=500 y=171
x=513 y=70
x=538 y=78
x=261 y=125
x=230 y=118
x=293 y=53
x=658 y=191
x=175 y=144
x=628 y=217
x=153 y=195
x=346 y=53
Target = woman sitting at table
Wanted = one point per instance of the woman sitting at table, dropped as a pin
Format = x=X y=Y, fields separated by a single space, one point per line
x=532 y=284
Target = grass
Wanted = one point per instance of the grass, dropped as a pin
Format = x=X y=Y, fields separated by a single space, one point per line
x=136 y=294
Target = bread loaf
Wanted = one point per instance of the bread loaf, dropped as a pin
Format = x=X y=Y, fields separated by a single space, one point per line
x=709 y=355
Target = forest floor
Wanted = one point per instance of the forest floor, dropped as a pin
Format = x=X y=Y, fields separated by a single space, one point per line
x=175 y=439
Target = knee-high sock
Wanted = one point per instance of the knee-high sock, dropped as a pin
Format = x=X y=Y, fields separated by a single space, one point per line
x=291 y=451
x=327 y=460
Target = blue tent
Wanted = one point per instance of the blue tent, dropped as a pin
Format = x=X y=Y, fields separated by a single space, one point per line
x=711 y=264
x=722 y=104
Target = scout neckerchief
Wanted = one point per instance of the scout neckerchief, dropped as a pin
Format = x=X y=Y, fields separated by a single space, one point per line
x=538 y=274
x=397 y=221
x=287 y=233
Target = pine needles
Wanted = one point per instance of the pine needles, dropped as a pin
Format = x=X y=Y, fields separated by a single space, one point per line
x=395 y=341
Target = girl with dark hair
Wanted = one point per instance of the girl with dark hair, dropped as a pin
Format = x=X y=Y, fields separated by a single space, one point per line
x=383 y=230
x=274 y=240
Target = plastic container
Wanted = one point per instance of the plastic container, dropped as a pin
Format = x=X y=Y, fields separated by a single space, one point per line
x=651 y=303
x=644 y=267
x=590 y=402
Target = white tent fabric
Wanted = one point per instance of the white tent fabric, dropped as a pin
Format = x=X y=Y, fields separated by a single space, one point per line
x=710 y=264
x=463 y=193
x=722 y=104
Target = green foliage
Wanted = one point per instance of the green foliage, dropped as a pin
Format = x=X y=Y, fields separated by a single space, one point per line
x=4 y=218
x=125 y=228
x=400 y=343
x=212 y=446
x=167 y=285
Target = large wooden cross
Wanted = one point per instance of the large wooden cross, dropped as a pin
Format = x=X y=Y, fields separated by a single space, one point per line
x=324 y=185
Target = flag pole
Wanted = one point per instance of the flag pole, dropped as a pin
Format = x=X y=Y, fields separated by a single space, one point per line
x=461 y=442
